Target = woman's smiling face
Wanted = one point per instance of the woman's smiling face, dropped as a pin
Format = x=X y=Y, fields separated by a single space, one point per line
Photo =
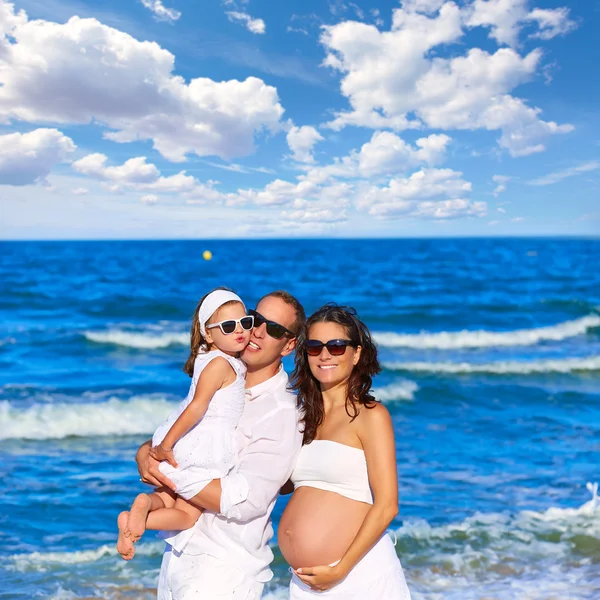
x=331 y=371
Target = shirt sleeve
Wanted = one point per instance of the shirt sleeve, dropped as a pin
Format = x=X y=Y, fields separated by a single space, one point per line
x=263 y=466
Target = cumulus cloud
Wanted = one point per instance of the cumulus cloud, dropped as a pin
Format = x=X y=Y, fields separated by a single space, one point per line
x=301 y=141
x=28 y=158
x=127 y=85
x=428 y=193
x=384 y=154
x=506 y=19
x=392 y=79
x=137 y=174
x=149 y=199
x=160 y=11
x=135 y=170
x=552 y=22
x=251 y=24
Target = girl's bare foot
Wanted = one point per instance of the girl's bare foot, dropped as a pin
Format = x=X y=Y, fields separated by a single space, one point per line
x=124 y=543
x=136 y=525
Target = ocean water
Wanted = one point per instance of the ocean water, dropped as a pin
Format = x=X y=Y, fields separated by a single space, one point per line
x=491 y=351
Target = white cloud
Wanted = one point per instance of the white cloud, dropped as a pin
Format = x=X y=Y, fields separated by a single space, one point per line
x=127 y=85
x=428 y=193
x=422 y=6
x=388 y=153
x=501 y=210
x=557 y=176
x=391 y=77
x=552 y=22
x=301 y=141
x=253 y=25
x=506 y=19
x=137 y=174
x=501 y=180
x=517 y=219
x=135 y=170
x=80 y=191
x=384 y=154
x=149 y=199
x=161 y=13
x=28 y=158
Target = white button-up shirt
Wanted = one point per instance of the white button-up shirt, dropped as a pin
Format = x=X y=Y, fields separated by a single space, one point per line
x=268 y=440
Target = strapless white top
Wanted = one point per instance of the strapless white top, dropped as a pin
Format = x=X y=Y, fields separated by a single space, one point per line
x=334 y=467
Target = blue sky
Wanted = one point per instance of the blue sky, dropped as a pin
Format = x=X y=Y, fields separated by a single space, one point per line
x=248 y=118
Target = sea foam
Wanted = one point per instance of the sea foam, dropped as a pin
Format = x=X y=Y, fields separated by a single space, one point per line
x=507 y=367
x=452 y=340
x=399 y=390
x=138 y=339
x=136 y=416
x=162 y=337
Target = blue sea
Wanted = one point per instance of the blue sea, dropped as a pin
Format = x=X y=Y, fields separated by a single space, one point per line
x=491 y=354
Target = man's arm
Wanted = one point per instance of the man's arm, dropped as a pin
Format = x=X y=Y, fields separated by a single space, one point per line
x=148 y=468
x=264 y=465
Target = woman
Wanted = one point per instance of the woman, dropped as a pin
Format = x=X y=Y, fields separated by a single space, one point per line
x=332 y=532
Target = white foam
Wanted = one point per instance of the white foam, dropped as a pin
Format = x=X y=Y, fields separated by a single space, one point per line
x=137 y=339
x=560 y=365
x=41 y=561
x=452 y=340
x=400 y=390
x=499 y=555
x=136 y=416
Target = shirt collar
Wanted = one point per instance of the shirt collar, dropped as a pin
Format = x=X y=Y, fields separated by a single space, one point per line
x=268 y=386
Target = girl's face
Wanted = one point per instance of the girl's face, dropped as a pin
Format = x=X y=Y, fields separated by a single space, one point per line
x=331 y=371
x=234 y=342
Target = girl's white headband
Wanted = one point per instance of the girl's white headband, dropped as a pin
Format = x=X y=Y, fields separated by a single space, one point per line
x=212 y=303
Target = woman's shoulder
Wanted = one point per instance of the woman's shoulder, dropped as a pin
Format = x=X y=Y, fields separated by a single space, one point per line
x=372 y=417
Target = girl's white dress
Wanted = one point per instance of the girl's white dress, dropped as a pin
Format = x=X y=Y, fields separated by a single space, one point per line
x=206 y=451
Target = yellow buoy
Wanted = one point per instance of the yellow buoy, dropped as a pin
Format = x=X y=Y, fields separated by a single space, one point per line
x=207 y=255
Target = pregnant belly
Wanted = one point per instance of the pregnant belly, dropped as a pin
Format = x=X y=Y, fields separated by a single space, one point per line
x=317 y=527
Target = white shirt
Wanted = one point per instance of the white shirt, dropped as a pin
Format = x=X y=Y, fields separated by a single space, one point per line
x=268 y=439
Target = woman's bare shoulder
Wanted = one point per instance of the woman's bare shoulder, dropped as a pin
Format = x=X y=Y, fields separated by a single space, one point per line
x=373 y=417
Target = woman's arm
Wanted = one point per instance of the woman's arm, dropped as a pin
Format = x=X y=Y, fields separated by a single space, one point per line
x=377 y=437
x=215 y=375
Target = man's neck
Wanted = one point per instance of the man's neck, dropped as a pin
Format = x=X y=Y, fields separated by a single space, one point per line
x=262 y=374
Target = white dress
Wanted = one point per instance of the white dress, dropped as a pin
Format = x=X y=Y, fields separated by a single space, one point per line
x=206 y=451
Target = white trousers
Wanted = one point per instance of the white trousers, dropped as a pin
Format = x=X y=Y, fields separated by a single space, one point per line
x=203 y=577
x=378 y=576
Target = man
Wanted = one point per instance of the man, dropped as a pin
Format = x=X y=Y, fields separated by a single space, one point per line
x=226 y=555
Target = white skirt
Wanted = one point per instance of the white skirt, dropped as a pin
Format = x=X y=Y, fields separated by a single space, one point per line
x=378 y=576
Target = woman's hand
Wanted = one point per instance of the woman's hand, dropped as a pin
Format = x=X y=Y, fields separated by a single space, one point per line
x=148 y=468
x=321 y=578
x=159 y=453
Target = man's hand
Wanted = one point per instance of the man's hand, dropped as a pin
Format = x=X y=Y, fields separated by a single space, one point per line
x=163 y=454
x=148 y=468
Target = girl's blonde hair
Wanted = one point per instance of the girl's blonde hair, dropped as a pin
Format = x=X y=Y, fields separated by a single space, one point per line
x=197 y=340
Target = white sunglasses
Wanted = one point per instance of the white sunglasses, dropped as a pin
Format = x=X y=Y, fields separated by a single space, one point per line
x=228 y=327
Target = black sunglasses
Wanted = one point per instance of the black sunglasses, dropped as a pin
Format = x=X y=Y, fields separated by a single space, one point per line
x=334 y=347
x=275 y=330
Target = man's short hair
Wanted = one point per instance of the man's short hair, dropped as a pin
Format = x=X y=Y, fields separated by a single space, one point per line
x=296 y=326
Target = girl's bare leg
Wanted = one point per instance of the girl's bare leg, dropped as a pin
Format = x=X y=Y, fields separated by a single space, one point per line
x=179 y=517
x=142 y=505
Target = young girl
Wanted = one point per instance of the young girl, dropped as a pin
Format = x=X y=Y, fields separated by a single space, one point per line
x=195 y=443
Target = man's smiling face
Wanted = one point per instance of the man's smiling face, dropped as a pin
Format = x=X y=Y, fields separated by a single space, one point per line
x=264 y=350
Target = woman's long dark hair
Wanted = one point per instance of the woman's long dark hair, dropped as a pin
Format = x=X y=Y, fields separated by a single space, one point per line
x=310 y=398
